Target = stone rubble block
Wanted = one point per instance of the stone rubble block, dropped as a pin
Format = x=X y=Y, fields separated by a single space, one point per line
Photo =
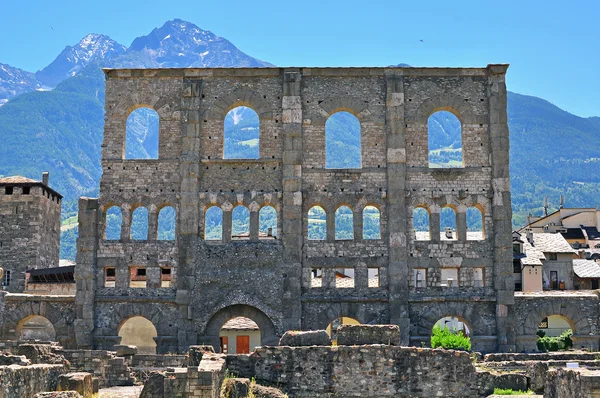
x=368 y=334
x=7 y=359
x=58 y=394
x=294 y=338
x=196 y=352
x=78 y=381
x=125 y=350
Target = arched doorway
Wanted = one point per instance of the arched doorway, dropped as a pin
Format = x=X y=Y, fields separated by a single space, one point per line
x=454 y=325
x=36 y=327
x=554 y=325
x=239 y=335
x=336 y=323
x=212 y=333
x=140 y=332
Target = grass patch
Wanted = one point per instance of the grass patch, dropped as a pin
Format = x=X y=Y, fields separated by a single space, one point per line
x=510 y=391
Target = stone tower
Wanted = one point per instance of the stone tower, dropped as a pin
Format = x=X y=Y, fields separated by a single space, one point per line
x=29 y=228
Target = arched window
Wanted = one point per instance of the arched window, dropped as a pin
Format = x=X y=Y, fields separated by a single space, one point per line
x=213 y=223
x=241 y=134
x=421 y=224
x=317 y=223
x=140 y=332
x=474 y=224
x=267 y=222
x=36 y=327
x=139 y=224
x=342 y=142
x=371 y=223
x=166 y=223
x=240 y=227
x=114 y=220
x=448 y=223
x=142 y=134
x=344 y=223
x=444 y=132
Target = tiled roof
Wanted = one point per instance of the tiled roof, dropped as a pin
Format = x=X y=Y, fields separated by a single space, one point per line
x=240 y=323
x=16 y=180
x=551 y=243
x=586 y=268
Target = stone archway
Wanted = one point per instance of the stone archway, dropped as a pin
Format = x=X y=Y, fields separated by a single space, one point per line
x=268 y=334
x=140 y=332
x=36 y=327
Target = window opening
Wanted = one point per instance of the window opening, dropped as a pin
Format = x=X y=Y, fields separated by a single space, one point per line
x=317 y=223
x=267 y=223
x=166 y=223
x=344 y=223
x=342 y=141
x=444 y=132
x=371 y=223
x=421 y=224
x=142 y=134
x=139 y=224
x=344 y=278
x=241 y=134
x=213 y=223
x=240 y=223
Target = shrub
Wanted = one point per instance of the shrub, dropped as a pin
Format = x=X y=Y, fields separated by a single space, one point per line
x=562 y=342
x=444 y=338
x=509 y=391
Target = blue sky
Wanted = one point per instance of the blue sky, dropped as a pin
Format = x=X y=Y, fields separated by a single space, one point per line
x=553 y=46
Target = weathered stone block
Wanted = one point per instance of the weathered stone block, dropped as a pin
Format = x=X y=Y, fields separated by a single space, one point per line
x=236 y=388
x=125 y=350
x=295 y=338
x=58 y=394
x=7 y=359
x=259 y=391
x=79 y=381
x=154 y=387
x=197 y=351
x=368 y=334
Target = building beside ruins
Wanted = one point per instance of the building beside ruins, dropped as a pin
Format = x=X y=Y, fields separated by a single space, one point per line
x=184 y=287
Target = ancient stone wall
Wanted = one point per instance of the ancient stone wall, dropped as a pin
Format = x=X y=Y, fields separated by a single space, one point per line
x=29 y=230
x=26 y=381
x=269 y=280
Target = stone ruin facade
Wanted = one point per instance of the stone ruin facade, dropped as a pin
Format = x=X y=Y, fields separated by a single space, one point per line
x=269 y=280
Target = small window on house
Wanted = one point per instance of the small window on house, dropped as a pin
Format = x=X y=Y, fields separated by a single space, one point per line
x=316 y=277
x=142 y=134
x=371 y=223
x=26 y=190
x=373 y=275
x=444 y=133
x=478 y=277
x=517 y=267
x=213 y=223
x=421 y=224
x=6 y=278
x=241 y=136
x=137 y=277
x=317 y=223
x=448 y=224
x=139 y=224
x=165 y=277
x=420 y=278
x=166 y=223
x=474 y=224
x=449 y=277
x=516 y=248
x=344 y=223
x=552 y=256
x=113 y=222
x=342 y=141
x=240 y=227
x=110 y=277
x=344 y=278
x=267 y=223
x=8 y=190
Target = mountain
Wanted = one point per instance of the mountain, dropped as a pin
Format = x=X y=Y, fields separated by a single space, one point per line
x=74 y=58
x=15 y=81
x=61 y=130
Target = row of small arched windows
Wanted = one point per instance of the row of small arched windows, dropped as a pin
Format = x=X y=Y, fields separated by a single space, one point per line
x=139 y=227
x=241 y=137
x=344 y=223
x=448 y=224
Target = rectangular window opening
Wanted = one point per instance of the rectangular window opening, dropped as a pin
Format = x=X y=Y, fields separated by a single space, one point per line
x=373 y=275
x=166 y=277
x=110 y=276
x=316 y=277
x=344 y=278
x=449 y=277
x=552 y=256
x=26 y=190
x=517 y=266
x=420 y=278
x=8 y=190
x=6 y=278
x=137 y=277
x=478 y=277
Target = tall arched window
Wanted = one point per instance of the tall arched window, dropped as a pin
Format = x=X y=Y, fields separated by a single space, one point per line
x=213 y=223
x=142 y=134
x=166 y=223
x=114 y=220
x=444 y=132
x=474 y=223
x=421 y=224
x=344 y=223
x=241 y=134
x=267 y=222
x=448 y=223
x=240 y=227
x=139 y=224
x=371 y=223
x=342 y=141
x=317 y=223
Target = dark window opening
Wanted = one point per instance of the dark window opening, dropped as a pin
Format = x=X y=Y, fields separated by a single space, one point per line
x=26 y=190
x=516 y=266
x=8 y=190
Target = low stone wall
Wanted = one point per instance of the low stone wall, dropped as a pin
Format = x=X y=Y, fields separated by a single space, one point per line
x=373 y=371
x=105 y=365
x=159 y=361
x=570 y=356
x=572 y=383
x=26 y=381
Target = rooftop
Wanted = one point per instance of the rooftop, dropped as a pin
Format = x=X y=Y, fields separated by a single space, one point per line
x=240 y=323
x=550 y=243
x=586 y=268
